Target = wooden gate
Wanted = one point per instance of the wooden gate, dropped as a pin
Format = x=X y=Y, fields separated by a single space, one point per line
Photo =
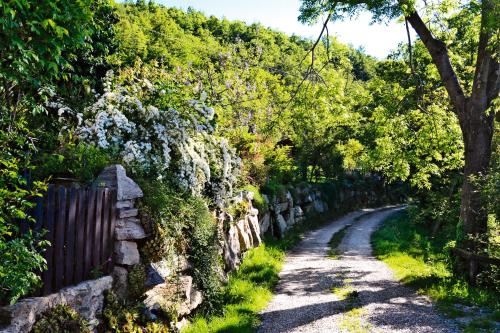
x=79 y=224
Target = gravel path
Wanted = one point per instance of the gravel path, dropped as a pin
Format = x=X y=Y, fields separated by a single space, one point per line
x=304 y=300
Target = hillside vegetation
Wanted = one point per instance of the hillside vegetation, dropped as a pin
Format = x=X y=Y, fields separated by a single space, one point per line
x=197 y=108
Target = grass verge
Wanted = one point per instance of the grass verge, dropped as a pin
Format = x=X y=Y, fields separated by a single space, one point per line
x=250 y=288
x=423 y=263
x=333 y=252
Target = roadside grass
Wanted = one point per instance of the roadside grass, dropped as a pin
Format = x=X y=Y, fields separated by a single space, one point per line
x=333 y=252
x=423 y=262
x=249 y=289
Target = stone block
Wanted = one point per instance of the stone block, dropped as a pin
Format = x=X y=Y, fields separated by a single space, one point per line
x=126 y=253
x=128 y=212
x=129 y=229
x=120 y=281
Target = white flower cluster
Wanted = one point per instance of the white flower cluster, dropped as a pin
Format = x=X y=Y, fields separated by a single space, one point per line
x=160 y=140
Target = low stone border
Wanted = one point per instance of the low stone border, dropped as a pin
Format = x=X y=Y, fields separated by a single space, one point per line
x=86 y=298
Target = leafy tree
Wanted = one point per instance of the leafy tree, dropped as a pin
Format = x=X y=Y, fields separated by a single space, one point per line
x=471 y=107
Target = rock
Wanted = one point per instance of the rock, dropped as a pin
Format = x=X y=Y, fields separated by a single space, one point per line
x=249 y=195
x=320 y=206
x=179 y=295
x=181 y=324
x=195 y=299
x=298 y=212
x=291 y=218
x=86 y=298
x=265 y=223
x=129 y=229
x=245 y=235
x=115 y=177
x=280 y=207
x=126 y=253
x=281 y=224
x=253 y=212
x=125 y=204
x=232 y=249
x=128 y=212
x=120 y=281
x=157 y=273
x=266 y=198
x=181 y=264
x=253 y=223
x=308 y=199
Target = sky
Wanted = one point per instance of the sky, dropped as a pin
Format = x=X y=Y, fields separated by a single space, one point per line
x=377 y=39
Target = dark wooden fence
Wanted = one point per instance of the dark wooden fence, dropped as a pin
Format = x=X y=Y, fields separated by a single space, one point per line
x=79 y=224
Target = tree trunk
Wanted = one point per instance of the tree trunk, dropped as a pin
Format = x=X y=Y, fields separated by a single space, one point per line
x=477 y=130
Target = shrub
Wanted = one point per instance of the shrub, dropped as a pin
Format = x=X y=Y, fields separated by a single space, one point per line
x=258 y=199
x=61 y=319
x=183 y=225
x=20 y=254
x=122 y=317
x=80 y=161
x=137 y=281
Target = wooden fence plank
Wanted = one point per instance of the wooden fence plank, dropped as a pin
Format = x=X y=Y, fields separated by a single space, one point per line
x=105 y=229
x=39 y=214
x=70 y=238
x=59 y=238
x=112 y=224
x=96 y=258
x=80 y=235
x=49 y=226
x=89 y=232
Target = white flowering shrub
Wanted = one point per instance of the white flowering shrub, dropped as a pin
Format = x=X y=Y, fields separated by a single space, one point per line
x=135 y=120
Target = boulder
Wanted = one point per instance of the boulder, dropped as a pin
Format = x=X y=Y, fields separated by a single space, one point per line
x=232 y=249
x=126 y=253
x=298 y=212
x=115 y=177
x=245 y=235
x=157 y=273
x=86 y=298
x=178 y=294
x=265 y=223
x=281 y=224
x=291 y=218
x=253 y=223
x=120 y=281
x=129 y=229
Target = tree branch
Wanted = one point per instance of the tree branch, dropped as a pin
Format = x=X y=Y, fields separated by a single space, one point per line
x=486 y=84
x=441 y=59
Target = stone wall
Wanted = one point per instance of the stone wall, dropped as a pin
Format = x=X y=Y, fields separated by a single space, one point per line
x=284 y=211
x=86 y=298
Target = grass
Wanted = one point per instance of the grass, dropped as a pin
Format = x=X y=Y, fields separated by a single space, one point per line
x=334 y=242
x=249 y=289
x=423 y=262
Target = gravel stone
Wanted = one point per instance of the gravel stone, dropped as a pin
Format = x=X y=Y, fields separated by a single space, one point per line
x=304 y=301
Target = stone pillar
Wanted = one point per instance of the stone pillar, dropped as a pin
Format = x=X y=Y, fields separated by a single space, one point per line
x=128 y=228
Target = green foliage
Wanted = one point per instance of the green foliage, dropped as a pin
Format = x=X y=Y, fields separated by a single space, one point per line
x=20 y=253
x=183 y=223
x=239 y=209
x=80 y=161
x=123 y=317
x=424 y=263
x=137 y=281
x=61 y=319
x=246 y=294
x=258 y=199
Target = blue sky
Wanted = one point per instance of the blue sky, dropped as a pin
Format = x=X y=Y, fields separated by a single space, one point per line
x=377 y=39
